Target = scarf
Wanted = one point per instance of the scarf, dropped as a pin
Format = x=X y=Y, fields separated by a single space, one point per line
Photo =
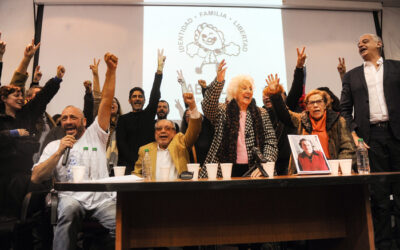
x=319 y=129
x=228 y=148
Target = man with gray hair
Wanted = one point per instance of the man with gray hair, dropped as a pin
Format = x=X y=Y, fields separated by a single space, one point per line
x=171 y=148
x=372 y=89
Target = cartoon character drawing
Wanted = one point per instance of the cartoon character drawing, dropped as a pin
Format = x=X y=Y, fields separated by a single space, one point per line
x=209 y=42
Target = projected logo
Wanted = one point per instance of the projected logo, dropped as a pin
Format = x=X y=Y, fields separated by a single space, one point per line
x=207 y=37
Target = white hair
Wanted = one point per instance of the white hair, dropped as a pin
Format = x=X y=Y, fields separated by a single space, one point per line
x=172 y=123
x=233 y=85
x=374 y=37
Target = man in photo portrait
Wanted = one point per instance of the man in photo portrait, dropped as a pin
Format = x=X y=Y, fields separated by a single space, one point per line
x=310 y=159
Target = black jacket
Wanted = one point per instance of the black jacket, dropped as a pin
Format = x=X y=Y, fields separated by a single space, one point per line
x=136 y=129
x=355 y=94
x=16 y=152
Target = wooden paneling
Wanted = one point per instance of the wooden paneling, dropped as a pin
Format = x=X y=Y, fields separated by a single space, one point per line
x=184 y=218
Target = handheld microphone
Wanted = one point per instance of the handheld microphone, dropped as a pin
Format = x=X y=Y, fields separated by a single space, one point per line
x=65 y=156
x=258 y=155
x=259 y=158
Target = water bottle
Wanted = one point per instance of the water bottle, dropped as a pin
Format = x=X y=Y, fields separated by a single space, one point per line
x=362 y=158
x=94 y=163
x=73 y=160
x=86 y=161
x=146 y=165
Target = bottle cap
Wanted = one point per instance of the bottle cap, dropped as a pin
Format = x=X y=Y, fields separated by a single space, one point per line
x=85 y=148
x=360 y=139
x=94 y=149
x=146 y=150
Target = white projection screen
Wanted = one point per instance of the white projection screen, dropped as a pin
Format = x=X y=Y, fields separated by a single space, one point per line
x=255 y=41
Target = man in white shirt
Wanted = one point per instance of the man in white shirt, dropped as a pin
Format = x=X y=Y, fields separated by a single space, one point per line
x=73 y=206
x=373 y=90
x=170 y=150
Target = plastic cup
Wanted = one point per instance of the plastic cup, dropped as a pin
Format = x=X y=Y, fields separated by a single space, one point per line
x=78 y=172
x=164 y=174
x=226 y=170
x=212 y=170
x=334 y=165
x=345 y=166
x=194 y=167
x=269 y=167
x=119 y=171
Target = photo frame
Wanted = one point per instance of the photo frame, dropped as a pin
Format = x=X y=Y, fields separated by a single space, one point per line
x=308 y=154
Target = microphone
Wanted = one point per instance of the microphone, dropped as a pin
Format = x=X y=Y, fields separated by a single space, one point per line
x=258 y=155
x=259 y=158
x=65 y=156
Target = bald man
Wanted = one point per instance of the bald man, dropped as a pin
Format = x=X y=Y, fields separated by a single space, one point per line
x=73 y=206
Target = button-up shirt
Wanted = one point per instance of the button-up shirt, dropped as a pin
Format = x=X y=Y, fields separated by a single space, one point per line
x=164 y=160
x=377 y=103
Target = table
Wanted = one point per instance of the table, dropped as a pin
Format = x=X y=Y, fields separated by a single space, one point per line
x=333 y=211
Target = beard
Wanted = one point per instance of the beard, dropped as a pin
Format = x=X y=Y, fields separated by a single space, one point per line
x=162 y=115
x=79 y=129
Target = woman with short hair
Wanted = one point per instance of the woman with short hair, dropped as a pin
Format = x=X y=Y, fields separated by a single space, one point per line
x=318 y=119
x=239 y=125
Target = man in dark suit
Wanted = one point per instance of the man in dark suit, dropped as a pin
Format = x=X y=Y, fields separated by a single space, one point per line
x=373 y=89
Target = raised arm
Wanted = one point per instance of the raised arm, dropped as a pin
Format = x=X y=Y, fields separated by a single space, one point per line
x=155 y=93
x=88 y=103
x=104 y=113
x=274 y=90
x=37 y=76
x=203 y=85
x=37 y=106
x=341 y=68
x=20 y=75
x=194 y=127
x=210 y=102
x=2 y=51
x=296 y=90
x=96 y=86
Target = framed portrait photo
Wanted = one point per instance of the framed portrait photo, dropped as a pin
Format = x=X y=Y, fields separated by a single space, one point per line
x=308 y=154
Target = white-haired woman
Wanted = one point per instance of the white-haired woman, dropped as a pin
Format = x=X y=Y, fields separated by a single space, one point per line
x=239 y=125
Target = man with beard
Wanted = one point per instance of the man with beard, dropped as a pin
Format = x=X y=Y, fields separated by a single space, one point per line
x=136 y=129
x=372 y=89
x=163 y=111
x=73 y=206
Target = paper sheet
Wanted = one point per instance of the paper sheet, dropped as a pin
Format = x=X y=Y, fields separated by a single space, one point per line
x=120 y=179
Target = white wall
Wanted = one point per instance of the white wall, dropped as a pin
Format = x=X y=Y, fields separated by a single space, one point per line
x=74 y=35
x=327 y=35
x=391 y=32
x=17 y=28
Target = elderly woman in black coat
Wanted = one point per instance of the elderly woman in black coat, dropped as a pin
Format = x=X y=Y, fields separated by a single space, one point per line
x=239 y=125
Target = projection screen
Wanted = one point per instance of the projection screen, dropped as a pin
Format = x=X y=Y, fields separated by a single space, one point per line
x=255 y=41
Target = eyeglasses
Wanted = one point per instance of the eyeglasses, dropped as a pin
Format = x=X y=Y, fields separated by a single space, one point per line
x=166 y=128
x=318 y=102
